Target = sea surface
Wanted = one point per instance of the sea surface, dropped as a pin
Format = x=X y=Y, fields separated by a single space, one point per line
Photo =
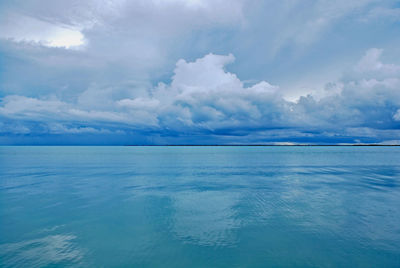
x=200 y=206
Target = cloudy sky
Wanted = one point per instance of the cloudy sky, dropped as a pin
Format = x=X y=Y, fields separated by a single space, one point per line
x=199 y=71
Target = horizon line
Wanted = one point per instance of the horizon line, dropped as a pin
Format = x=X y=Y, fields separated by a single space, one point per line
x=208 y=145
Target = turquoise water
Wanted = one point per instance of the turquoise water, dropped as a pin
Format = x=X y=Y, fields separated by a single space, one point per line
x=200 y=206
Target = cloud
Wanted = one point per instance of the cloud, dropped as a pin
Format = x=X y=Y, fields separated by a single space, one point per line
x=89 y=67
x=69 y=46
x=71 y=23
x=377 y=13
x=396 y=116
x=201 y=95
x=371 y=64
x=76 y=44
x=20 y=28
x=57 y=128
x=53 y=109
x=309 y=20
x=206 y=99
x=22 y=107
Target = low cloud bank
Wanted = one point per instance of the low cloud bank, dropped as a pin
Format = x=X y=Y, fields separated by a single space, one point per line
x=204 y=103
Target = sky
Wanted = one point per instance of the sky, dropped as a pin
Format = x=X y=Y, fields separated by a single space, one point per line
x=157 y=72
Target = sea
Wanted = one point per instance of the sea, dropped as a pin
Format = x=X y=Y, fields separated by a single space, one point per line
x=200 y=206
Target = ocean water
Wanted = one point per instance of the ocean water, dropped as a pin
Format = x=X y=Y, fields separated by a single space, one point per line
x=200 y=206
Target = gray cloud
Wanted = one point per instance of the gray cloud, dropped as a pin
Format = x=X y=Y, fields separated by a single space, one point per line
x=90 y=67
x=203 y=97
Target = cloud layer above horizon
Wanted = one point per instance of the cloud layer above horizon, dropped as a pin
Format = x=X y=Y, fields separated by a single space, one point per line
x=167 y=72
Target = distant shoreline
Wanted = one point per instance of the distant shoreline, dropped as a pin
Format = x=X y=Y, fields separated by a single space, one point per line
x=262 y=145
x=202 y=145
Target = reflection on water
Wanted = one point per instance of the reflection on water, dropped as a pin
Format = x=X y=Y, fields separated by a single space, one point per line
x=200 y=206
x=206 y=218
x=41 y=251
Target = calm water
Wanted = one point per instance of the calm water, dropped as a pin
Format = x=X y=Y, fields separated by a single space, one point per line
x=200 y=206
